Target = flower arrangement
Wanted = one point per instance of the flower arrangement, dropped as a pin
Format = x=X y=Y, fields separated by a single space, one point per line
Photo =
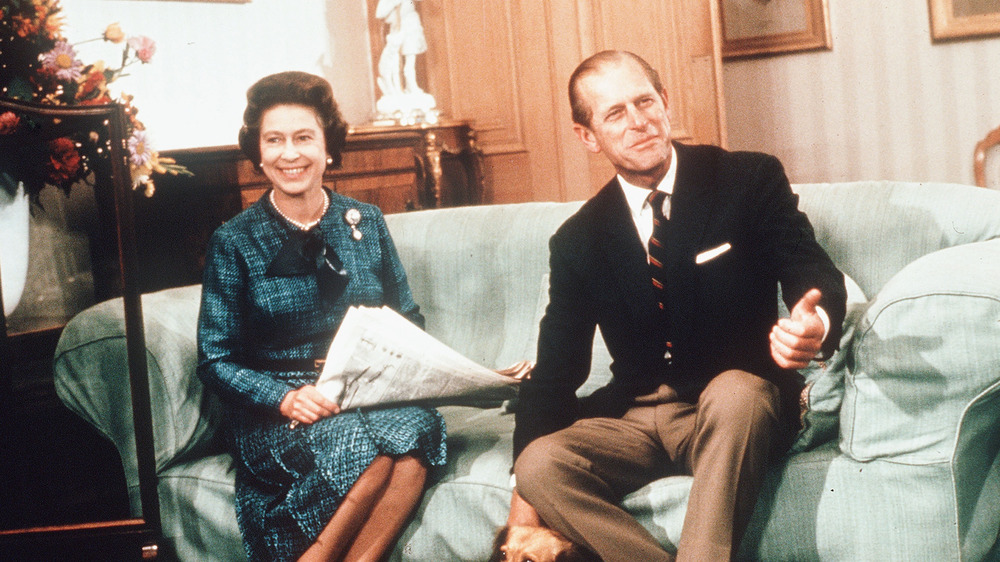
x=40 y=65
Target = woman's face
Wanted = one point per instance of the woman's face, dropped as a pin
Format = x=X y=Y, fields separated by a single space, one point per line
x=292 y=149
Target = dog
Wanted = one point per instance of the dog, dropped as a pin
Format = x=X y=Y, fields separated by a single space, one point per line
x=536 y=544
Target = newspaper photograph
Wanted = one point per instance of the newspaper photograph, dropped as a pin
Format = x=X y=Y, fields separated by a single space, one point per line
x=378 y=357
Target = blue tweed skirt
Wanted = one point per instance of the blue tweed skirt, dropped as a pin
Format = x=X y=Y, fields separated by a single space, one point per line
x=289 y=482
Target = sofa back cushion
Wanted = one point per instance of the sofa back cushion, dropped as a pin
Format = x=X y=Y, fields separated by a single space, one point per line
x=926 y=347
x=477 y=273
x=872 y=229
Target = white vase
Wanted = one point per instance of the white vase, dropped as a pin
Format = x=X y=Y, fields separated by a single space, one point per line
x=14 y=215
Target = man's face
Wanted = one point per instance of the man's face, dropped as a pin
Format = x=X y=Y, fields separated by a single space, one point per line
x=630 y=121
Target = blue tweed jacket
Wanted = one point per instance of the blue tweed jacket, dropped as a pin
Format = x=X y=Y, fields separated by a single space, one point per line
x=248 y=317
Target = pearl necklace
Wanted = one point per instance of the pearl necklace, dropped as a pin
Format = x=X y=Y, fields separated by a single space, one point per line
x=300 y=225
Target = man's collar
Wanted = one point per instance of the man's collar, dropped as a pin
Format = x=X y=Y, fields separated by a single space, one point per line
x=636 y=196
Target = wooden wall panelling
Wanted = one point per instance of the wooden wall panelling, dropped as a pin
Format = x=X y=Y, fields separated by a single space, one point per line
x=473 y=72
x=537 y=48
x=504 y=64
x=566 y=25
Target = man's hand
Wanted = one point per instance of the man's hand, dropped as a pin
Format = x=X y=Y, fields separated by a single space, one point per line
x=797 y=340
x=307 y=405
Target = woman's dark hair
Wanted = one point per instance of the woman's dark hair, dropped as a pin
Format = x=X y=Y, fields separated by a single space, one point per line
x=292 y=88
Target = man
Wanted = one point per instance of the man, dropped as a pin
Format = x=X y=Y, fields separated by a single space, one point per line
x=703 y=381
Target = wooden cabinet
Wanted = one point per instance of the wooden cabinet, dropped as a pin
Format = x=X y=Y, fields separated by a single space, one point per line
x=447 y=159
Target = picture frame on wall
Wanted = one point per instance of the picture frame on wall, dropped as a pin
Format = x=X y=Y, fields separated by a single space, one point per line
x=961 y=19
x=768 y=27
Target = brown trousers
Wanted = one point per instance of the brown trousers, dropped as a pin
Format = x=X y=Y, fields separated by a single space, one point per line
x=575 y=478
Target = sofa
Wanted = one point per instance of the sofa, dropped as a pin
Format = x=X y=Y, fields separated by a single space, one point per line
x=899 y=457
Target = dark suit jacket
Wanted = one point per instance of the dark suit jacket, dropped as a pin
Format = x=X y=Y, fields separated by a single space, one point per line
x=721 y=311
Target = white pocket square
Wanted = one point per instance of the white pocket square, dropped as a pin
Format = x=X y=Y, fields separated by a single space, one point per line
x=713 y=253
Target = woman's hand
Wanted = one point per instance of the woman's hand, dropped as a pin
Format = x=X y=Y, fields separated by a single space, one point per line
x=518 y=371
x=307 y=405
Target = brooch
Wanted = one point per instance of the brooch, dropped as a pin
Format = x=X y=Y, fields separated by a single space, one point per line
x=353 y=218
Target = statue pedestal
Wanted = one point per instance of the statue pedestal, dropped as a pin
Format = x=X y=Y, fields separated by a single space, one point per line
x=407 y=109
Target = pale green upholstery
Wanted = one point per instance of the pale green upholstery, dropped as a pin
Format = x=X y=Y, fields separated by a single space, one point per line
x=913 y=473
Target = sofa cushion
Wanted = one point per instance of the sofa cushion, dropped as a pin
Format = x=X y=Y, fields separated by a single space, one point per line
x=204 y=487
x=823 y=506
x=928 y=344
x=478 y=287
x=824 y=390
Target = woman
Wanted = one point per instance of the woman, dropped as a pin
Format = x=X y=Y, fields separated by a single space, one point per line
x=312 y=482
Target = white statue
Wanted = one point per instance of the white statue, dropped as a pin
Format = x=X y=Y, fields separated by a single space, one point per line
x=402 y=98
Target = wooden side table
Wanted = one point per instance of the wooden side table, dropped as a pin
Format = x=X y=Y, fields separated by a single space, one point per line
x=447 y=154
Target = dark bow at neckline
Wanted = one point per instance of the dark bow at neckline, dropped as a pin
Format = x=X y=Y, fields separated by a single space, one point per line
x=304 y=253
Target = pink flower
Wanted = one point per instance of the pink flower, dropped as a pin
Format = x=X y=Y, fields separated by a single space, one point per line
x=144 y=47
x=9 y=122
x=62 y=62
x=140 y=152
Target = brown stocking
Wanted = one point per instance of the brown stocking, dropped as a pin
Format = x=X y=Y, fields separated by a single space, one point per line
x=378 y=535
x=359 y=502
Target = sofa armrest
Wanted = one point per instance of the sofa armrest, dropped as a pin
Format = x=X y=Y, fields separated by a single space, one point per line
x=927 y=348
x=91 y=378
x=977 y=476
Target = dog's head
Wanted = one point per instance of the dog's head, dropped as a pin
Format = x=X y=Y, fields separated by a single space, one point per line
x=535 y=544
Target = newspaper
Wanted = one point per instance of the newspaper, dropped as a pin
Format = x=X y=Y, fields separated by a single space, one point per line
x=378 y=357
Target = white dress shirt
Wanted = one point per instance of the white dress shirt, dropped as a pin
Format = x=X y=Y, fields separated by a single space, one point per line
x=638 y=201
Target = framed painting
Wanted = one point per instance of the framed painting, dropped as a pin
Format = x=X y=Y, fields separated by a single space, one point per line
x=767 y=27
x=959 y=19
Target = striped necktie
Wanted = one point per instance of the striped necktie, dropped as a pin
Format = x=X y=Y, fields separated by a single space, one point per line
x=659 y=260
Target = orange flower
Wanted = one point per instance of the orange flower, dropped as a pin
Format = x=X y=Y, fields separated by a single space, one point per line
x=9 y=122
x=25 y=27
x=64 y=160
x=53 y=26
x=93 y=86
x=114 y=34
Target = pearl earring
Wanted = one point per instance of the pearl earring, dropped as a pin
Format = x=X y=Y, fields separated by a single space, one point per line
x=329 y=160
